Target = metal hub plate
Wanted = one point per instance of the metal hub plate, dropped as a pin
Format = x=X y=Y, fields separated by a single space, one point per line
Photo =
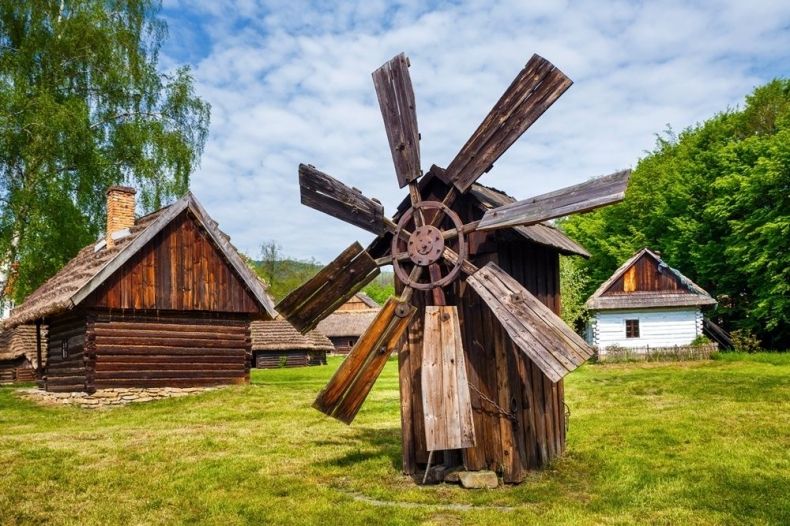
x=426 y=245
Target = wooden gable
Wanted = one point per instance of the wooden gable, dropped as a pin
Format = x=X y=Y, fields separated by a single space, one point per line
x=178 y=269
x=646 y=275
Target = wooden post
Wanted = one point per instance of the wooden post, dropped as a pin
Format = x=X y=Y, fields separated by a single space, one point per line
x=39 y=366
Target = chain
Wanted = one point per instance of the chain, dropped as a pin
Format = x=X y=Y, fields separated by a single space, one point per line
x=507 y=414
x=567 y=417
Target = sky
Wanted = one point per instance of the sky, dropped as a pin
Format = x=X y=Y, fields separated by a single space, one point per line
x=289 y=82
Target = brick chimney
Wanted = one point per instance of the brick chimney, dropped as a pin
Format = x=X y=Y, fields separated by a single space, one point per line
x=120 y=211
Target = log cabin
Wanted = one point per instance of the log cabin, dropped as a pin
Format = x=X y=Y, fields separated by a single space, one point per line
x=276 y=343
x=344 y=326
x=646 y=304
x=164 y=300
x=18 y=360
x=519 y=414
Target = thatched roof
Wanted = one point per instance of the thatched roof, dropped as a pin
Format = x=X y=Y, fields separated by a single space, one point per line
x=347 y=323
x=20 y=342
x=690 y=295
x=95 y=263
x=279 y=335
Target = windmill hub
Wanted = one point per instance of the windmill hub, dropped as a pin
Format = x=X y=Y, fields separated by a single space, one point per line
x=426 y=245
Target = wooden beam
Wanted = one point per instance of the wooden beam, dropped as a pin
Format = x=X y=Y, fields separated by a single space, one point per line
x=332 y=286
x=532 y=92
x=349 y=386
x=575 y=199
x=396 y=100
x=326 y=194
x=542 y=335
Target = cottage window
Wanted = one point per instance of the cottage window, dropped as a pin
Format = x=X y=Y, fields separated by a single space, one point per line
x=632 y=328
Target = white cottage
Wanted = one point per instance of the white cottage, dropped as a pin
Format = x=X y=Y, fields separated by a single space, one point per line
x=646 y=304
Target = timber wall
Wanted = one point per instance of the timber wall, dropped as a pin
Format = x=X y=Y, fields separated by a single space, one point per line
x=68 y=366
x=179 y=269
x=149 y=350
x=293 y=358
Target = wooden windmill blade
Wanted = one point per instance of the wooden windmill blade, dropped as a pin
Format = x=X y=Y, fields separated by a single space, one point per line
x=583 y=197
x=542 y=335
x=332 y=286
x=396 y=101
x=350 y=385
x=326 y=194
x=531 y=93
x=446 y=400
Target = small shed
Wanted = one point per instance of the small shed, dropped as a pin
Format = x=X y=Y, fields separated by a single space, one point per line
x=160 y=301
x=344 y=326
x=18 y=357
x=276 y=343
x=646 y=304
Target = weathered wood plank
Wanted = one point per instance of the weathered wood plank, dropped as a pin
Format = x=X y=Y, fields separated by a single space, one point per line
x=349 y=386
x=332 y=286
x=326 y=194
x=574 y=199
x=530 y=94
x=537 y=331
x=398 y=109
x=446 y=400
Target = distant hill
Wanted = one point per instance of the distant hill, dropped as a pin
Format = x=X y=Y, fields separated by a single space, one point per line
x=282 y=275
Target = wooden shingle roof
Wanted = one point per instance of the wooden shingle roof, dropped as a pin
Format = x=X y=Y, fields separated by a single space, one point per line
x=687 y=294
x=91 y=266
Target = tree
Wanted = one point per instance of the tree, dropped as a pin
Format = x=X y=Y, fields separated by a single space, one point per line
x=82 y=107
x=573 y=284
x=715 y=200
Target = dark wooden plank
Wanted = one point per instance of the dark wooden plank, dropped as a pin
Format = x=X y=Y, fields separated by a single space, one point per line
x=329 y=288
x=396 y=101
x=531 y=93
x=326 y=194
x=524 y=333
x=540 y=333
x=574 y=199
x=406 y=401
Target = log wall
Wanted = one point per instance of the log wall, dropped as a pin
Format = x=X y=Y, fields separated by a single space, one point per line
x=295 y=358
x=69 y=370
x=150 y=350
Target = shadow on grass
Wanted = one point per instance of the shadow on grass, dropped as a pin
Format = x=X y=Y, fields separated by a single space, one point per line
x=369 y=444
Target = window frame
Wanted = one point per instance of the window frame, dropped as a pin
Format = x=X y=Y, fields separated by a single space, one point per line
x=632 y=328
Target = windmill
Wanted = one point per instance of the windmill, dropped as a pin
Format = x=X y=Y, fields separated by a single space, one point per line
x=428 y=244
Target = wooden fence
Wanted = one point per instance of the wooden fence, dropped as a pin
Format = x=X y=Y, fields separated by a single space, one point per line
x=677 y=353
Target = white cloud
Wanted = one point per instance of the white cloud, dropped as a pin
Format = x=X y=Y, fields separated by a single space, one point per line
x=290 y=83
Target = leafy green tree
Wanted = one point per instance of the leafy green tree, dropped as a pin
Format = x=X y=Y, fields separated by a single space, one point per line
x=381 y=288
x=82 y=107
x=715 y=200
x=282 y=274
x=573 y=284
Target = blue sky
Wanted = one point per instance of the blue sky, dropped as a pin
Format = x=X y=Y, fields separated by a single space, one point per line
x=289 y=82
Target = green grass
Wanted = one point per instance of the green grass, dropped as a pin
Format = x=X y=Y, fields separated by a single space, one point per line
x=680 y=443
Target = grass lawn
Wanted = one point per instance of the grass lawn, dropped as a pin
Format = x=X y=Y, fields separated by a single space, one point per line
x=680 y=443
